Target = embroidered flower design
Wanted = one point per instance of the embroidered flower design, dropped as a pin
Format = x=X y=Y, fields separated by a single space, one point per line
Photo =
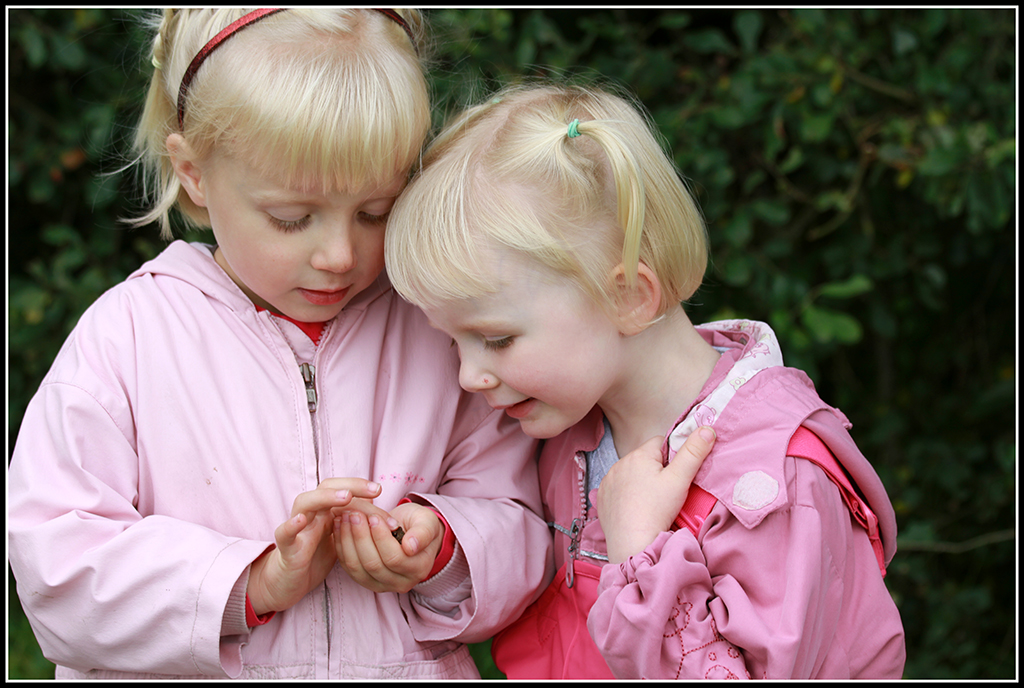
x=680 y=618
x=407 y=478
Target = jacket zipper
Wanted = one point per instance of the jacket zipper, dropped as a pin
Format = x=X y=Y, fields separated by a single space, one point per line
x=309 y=378
x=308 y=371
x=576 y=528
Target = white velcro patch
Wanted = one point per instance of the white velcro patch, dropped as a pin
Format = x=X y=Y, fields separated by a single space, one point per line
x=754 y=490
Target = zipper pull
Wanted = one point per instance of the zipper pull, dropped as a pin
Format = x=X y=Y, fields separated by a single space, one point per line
x=309 y=377
x=574 y=546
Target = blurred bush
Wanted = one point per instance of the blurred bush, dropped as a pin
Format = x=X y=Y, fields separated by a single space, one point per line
x=856 y=168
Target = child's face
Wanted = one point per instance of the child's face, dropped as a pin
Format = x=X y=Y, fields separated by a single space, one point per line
x=539 y=348
x=294 y=251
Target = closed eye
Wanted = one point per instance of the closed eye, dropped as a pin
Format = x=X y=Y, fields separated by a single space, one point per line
x=498 y=344
x=290 y=225
x=381 y=219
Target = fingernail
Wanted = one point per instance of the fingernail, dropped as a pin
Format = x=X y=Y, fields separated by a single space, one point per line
x=707 y=434
x=372 y=487
x=373 y=521
x=392 y=523
x=342 y=494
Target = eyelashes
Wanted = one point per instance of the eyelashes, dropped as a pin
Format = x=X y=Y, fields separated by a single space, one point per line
x=491 y=344
x=290 y=225
x=498 y=344
x=380 y=220
x=300 y=224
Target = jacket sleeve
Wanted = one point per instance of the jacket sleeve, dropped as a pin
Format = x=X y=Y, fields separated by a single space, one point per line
x=491 y=499
x=104 y=587
x=748 y=603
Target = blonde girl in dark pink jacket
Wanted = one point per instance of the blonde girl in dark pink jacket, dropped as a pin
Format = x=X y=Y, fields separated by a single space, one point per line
x=551 y=237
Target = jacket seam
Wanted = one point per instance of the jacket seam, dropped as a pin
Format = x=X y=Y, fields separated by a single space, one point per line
x=100 y=404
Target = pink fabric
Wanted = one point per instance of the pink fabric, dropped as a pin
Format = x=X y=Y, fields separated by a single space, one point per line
x=805 y=444
x=780 y=582
x=170 y=439
x=550 y=640
x=695 y=509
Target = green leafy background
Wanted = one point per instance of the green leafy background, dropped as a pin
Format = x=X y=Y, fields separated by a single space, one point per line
x=856 y=168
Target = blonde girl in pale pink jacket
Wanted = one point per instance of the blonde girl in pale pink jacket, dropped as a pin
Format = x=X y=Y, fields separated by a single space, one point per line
x=213 y=477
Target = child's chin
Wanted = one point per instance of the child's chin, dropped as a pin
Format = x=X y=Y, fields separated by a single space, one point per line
x=541 y=431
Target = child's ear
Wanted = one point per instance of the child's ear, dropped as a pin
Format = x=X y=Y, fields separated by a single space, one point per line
x=638 y=304
x=186 y=169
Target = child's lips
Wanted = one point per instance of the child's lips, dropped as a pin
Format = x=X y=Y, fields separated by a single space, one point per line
x=519 y=410
x=324 y=298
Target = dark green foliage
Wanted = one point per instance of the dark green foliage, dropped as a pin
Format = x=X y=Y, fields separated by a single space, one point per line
x=857 y=172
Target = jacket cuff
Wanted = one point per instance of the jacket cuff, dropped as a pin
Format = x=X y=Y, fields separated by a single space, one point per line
x=239 y=614
x=251 y=619
x=233 y=621
x=447 y=579
x=627 y=572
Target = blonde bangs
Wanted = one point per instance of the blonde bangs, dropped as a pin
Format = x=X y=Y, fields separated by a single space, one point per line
x=429 y=250
x=446 y=226
x=316 y=112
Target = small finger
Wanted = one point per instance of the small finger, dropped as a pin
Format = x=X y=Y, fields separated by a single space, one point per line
x=386 y=544
x=332 y=493
x=355 y=546
x=359 y=487
x=364 y=548
x=415 y=540
x=287 y=531
x=321 y=499
x=692 y=454
x=420 y=533
x=343 y=543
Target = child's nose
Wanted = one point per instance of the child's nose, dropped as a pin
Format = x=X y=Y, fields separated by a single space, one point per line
x=335 y=253
x=475 y=378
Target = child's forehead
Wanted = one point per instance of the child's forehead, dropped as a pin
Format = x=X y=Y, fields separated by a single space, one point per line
x=520 y=288
x=512 y=272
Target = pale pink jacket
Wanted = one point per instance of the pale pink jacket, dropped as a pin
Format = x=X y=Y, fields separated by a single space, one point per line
x=169 y=440
x=779 y=583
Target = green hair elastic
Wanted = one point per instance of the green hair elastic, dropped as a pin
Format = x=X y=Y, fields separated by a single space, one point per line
x=574 y=130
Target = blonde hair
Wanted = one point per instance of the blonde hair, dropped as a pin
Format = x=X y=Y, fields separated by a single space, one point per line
x=506 y=173
x=334 y=96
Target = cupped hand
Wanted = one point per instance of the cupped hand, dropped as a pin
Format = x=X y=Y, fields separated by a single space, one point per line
x=304 y=550
x=371 y=554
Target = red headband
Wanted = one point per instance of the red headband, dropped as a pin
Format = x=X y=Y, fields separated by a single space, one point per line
x=236 y=26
